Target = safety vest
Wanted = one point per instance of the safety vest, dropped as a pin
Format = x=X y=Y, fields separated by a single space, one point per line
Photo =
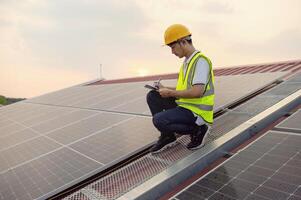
x=202 y=106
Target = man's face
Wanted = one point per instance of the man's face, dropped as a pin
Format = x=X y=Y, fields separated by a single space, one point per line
x=176 y=49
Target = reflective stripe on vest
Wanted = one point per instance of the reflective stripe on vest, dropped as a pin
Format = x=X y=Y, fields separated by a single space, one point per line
x=202 y=106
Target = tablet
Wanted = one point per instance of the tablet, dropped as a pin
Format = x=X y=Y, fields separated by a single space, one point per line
x=150 y=87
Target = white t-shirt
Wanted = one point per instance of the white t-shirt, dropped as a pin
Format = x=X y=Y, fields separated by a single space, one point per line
x=201 y=76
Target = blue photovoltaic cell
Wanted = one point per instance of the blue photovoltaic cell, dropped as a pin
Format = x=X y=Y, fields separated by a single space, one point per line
x=45 y=175
x=56 y=140
x=270 y=168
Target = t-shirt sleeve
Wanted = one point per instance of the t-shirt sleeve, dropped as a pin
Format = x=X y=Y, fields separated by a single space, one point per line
x=201 y=73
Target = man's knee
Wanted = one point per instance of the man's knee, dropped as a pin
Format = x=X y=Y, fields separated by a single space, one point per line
x=152 y=95
x=158 y=120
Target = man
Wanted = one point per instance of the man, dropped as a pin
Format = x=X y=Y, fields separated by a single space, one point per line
x=188 y=108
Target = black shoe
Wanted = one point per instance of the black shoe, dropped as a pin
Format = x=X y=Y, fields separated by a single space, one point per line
x=199 y=137
x=163 y=143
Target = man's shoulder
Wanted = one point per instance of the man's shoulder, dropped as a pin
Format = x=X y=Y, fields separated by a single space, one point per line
x=202 y=62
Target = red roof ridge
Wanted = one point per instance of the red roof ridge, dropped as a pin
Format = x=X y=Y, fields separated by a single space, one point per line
x=289 y=66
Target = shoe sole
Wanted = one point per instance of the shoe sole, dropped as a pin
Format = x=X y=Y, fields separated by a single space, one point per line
x=203 y=142
x=197 y=147
x=165 y=147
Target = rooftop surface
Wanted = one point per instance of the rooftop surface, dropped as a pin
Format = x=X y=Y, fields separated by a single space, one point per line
x=267 y=167
x=55 y=141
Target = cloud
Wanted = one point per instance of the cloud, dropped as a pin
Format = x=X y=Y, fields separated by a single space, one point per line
x=283 y=46
x=59 y=36
x=217 y=7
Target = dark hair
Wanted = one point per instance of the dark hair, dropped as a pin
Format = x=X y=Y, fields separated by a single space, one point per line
x=189 y=41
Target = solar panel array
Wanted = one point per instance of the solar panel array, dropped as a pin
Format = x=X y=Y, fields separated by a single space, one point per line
x=269 y=168
x=69 y=145
x=56 y=140
x=130 y=97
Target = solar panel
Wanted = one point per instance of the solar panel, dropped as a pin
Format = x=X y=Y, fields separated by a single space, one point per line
x=110 y=145
x=101 y=138
x=77 y=94
x=230 y=88
x=227 y=122
x=32 y=111
x=284 y=88
x=70 y=139
x=292 y=122
x=52 y=172
x=57 y=122
x=10 y=128
x=295 y=78
x=136 y=105
x=12 y=107
x=16 y=138
x=130 y=97
x=23 y=109
x=106 y=91
x=86 y=127
x=119 y=99
x=267 y=169
x=16 y=155
x=258 y=104
x=4 y=122
x=90 y=92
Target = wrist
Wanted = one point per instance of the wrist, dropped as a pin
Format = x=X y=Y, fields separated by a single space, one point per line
x=174 y=93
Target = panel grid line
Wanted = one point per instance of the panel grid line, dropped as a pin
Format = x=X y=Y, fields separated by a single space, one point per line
x=70 y=148
x=79 y=94
x=285 y=132
x=112 y=97
x=254 y=163
x=67 y=146
x=273 y=174
x=71 y=123
x=44 y=134
x=125 y=103
x=263 y=176
x=5 y=135
x=37 y=115
x=92 y=97
x=62 y=146
x=212 y=170
x=28 y=161
x=49 y=119
x=215 y=192
x=294 y=191
x=99 y=110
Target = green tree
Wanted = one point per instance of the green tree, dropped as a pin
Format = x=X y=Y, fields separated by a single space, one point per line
x=3 y=100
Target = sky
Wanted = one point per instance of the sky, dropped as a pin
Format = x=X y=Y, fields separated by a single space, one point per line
x=47 y=45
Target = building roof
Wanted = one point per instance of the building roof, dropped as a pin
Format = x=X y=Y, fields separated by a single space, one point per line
x=56 y=141
x=265 y=166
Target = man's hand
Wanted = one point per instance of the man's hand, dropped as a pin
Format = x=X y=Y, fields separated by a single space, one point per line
x=195 y=92
x=158 y=85
x=165 y=92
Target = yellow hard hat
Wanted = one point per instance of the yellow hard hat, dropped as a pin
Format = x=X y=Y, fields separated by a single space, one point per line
x=175 y=32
